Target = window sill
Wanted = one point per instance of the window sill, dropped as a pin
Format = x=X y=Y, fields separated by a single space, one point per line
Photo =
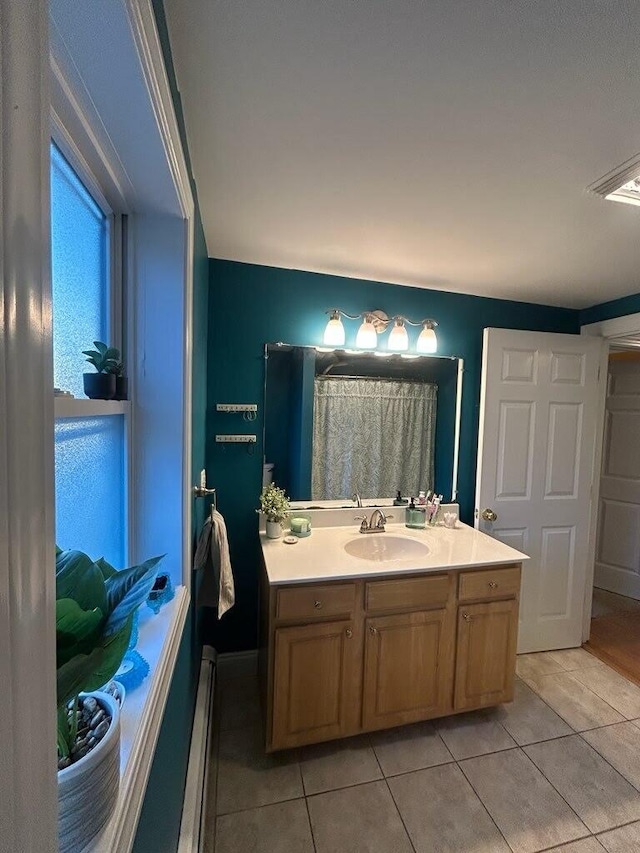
x=158 y=642
x=66 y=407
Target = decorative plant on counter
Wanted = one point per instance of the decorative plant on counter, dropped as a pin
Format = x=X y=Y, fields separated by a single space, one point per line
x=95 y=605
x=274 y=503
x=101 y=385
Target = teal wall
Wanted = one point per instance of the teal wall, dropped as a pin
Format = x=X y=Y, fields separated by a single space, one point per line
x=609 y=310
x=251 y=305
x=159 y=824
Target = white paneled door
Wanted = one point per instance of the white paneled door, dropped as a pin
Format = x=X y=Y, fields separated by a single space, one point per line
x=538 y=429
x=618 y=552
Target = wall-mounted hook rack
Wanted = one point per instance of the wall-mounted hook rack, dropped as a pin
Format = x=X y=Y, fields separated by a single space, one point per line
x=243 y=438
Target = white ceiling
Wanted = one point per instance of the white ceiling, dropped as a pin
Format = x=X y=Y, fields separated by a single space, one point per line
x=436 y=143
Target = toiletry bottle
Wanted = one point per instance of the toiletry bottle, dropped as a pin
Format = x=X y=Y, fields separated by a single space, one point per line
x=399 y=500
x=422 y=499
x=408 y=513
x=415 y=516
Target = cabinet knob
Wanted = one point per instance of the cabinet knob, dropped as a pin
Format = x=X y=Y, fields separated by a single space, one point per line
x=493 y=585
x=466 y=617
x=372 y=630
x=349 y=633
x=317 y=604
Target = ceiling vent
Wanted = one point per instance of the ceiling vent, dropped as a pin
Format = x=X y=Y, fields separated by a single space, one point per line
x=621 y=184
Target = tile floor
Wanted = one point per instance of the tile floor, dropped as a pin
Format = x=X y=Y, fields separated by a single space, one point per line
x=557 y=770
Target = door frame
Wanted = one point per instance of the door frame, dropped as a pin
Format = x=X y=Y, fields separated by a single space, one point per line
x=607 y=330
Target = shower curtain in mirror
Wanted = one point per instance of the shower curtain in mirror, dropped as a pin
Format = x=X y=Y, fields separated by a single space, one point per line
x=372 y=436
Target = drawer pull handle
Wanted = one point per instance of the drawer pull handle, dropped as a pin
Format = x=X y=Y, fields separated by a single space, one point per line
x=493 y=585
x=372 y=630
x=466 y=617
x=317 y=604
x=349 y=633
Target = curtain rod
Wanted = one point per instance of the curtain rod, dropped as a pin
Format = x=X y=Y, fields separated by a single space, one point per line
x=377 y=378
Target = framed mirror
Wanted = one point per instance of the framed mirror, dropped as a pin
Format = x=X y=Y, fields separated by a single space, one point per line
x=337 y=422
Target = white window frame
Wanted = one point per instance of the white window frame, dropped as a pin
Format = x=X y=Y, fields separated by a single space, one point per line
x=27 y=580
x=116 y=333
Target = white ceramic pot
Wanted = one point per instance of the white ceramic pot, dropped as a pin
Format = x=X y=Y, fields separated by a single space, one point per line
x=274 y=529
x=88 y=789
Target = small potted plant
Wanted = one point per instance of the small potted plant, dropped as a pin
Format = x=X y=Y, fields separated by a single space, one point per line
x=274 y=504
x=101 y=385
x=95 y=608
x=121 y=379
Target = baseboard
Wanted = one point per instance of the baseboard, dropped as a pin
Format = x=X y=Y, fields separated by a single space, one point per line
x=614 y=579
x=191 y=825
x=237 y=664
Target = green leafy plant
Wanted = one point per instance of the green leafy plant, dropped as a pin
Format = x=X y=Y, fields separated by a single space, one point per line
x=95 y=605
x=105 y=359
x=274 y=503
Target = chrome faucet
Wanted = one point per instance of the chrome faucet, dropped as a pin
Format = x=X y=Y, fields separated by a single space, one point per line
x=357 y=500
x=375 y=524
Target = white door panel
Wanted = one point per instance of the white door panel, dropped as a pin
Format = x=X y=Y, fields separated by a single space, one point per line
x=618 y=552
x=538 y=428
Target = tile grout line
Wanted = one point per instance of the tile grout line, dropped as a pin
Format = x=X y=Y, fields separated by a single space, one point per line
x=393 y=799
x=470 y=784
x=586 y=687
x=541 y=772
x=313 y=837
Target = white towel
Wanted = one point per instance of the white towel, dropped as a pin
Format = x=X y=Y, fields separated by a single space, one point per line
x=217 y=589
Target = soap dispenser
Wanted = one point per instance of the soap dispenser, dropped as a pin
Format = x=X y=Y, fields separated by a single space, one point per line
x=399 y=500
x=415 y=516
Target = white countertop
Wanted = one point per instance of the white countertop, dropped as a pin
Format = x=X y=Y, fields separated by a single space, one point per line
x=322 y=557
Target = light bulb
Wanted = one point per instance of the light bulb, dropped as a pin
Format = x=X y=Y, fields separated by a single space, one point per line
x=398 y=339
x=334 y=333
x=367 y=337
x=427 y=340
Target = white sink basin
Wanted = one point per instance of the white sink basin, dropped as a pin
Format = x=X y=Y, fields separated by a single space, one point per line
x=383 y=548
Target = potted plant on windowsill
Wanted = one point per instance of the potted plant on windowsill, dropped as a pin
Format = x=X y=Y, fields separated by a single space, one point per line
x=101 y=385
x=121 y=380
x=95 y=606
x=274 y=504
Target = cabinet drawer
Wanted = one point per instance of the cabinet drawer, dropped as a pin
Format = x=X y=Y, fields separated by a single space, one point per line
x=308 y=602
x=407 y=594
x=487 y=584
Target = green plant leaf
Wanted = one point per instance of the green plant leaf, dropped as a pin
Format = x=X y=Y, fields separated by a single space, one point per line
x=76 y=629
x=74 y=675
x=106 y=568
x=126 y=590
x=114 y=649
x=102 y=348
x=79 y=578
x=112 y=354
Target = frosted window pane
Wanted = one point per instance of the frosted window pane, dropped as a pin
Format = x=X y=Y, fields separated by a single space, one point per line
x=90 y=486
x=79 y=241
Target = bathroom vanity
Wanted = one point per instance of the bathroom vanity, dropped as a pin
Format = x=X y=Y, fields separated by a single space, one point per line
x=364 y=632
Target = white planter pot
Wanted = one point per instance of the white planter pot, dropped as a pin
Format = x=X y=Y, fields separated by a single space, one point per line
x=88 y=789
x=274 y=529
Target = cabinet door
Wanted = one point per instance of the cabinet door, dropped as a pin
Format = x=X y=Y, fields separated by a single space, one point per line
x=486 y=653
x=315 y=680
x=408 y=668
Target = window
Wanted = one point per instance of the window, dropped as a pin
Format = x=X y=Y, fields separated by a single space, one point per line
x=90 y=436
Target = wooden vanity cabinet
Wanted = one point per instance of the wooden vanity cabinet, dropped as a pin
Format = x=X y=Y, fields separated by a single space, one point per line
x=342 y=658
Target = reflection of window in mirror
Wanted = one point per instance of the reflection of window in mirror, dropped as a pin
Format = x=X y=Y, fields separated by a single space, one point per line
x=338 y=423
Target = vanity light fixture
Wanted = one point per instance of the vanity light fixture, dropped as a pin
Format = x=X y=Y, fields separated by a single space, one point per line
x=398 y=339
x=334 y=333
x=375 y=323
x=427 y=340
x=367 y=337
